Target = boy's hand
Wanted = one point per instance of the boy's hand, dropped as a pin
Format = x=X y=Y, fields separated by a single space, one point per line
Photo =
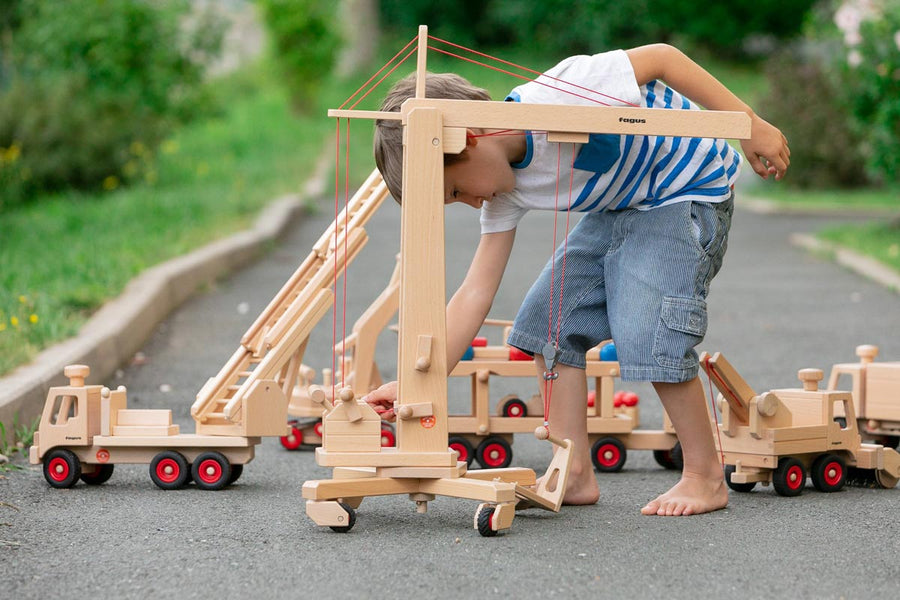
x=382 y=401
x=767 y=149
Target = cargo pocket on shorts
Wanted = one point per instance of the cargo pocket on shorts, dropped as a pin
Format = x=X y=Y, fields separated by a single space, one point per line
x=682 y=325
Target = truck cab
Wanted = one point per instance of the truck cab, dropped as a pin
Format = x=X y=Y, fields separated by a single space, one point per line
x=71 y=414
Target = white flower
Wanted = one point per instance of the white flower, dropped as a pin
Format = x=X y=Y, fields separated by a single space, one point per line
x=854 y=58
x=897 y=39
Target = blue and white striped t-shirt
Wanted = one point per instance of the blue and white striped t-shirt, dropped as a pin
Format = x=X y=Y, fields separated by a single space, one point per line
x=611 y=172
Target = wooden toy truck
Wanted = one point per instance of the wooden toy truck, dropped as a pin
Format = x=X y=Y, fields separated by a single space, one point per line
x=480 y=435
x=612 y=429
x=86 y=429
x=876 y=395
x=782 y=435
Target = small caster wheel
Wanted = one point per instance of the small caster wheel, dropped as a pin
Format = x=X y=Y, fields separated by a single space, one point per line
x=483 y=521
x=351 y=519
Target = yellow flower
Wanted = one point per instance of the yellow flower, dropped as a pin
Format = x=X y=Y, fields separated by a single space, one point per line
x=23 y=299
x=14 y=321
x=130 y=168
x=2 y=326
x=138 y=149
x=33 y=319
x=12 y=153
x=169 y=147
x=111 y=183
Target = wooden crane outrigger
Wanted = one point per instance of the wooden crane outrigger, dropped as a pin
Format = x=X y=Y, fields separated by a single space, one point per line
x=421 y=465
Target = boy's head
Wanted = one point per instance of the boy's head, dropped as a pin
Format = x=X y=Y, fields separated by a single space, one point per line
x=388 y=142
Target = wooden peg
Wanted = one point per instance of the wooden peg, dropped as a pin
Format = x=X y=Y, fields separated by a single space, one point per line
x=423 y=353
x=348 y=398
x=77 y=374
x=543 y=433
x=417 y=410
x=810 y=378
x=317 y=394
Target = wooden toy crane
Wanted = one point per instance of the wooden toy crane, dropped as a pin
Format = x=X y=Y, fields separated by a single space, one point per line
x=422 y=465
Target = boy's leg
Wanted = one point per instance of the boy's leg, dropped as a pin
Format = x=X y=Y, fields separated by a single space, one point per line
x=702 y=485
x=568 y=420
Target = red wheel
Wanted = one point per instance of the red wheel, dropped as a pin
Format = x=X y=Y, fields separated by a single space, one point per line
x=294 y=438
x=829 y=473
x=515 y=408
x=608 y=455
x=62 y=468
x=318 y=429
x=211 y=471
x=789 y=477
x=462 y=447
x=388 y=439
x=169 y=470
x=494 y=453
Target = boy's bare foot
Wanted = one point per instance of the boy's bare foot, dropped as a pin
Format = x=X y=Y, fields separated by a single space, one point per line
x=690 y=496
x=581 y=487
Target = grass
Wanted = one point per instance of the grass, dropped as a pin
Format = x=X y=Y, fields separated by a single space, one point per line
x=22 y=436
x=64 y=255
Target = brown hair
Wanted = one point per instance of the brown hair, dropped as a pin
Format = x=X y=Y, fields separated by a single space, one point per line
x=388 y=141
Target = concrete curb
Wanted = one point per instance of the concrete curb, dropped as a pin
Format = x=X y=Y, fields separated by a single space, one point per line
x=116 y=331
x=863 y=265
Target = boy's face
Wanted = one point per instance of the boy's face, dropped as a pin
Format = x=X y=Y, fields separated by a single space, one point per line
x=483 y=173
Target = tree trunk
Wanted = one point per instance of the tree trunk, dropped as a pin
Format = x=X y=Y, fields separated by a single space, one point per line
x=360 y=28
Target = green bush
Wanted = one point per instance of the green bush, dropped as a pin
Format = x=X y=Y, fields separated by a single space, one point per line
x=868 y=68
x=305 y=40
x=562 y=27
x=803 y=102
x=94 y=85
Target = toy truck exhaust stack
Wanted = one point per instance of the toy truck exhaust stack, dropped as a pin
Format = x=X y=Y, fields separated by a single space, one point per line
x=876 y=394
x=86 y=429
x=782 y=435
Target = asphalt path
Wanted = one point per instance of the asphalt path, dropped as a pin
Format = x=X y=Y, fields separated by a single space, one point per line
x=773 y=310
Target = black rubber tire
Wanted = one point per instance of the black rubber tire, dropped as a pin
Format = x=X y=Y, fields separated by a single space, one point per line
x=236 y=471
x=351 y=519
x=61 y=468
x=485 y=454
x=516 y=407
x=464 y=447
x=829 y=473
x=211 y=471
x=664 y=459
x=100 y=475
x=617 y=455
x=738 y=487
x=177 y=477
x=789 y=477
x=483 y=521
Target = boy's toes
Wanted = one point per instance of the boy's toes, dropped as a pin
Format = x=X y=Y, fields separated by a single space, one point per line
x=652 y=508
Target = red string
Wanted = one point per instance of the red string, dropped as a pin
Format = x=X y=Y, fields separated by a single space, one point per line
x=346 y=260
x=386 y=75
x=548 y=382
x=710 y=373
x=538 y=73
x=337 y=172
x=378 y=72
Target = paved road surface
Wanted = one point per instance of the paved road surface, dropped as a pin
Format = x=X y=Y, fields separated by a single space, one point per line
x=773 y=310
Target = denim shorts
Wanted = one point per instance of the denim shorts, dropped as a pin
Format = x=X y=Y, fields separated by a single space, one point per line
x=637 y=277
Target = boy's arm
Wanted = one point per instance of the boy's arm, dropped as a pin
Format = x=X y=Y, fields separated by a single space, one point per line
x=767 y=149
x=471 y=303
x=466 y=311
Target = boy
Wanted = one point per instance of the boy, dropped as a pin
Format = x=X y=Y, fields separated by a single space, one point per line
x=638 y=265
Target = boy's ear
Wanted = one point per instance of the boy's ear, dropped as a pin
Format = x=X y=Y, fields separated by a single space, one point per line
x=471 y=138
